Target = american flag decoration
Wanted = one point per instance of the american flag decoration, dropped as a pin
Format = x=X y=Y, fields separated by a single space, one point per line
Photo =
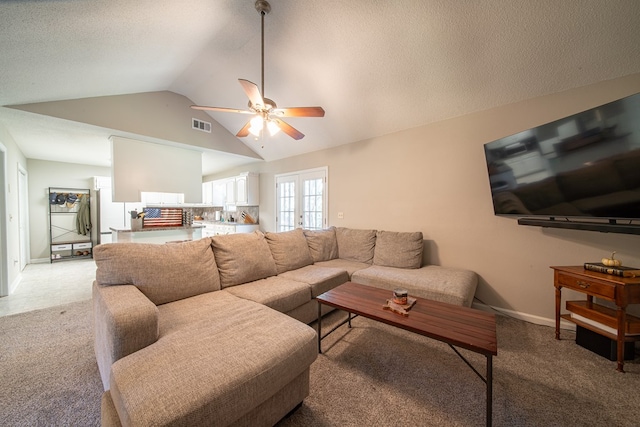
x=162 y=217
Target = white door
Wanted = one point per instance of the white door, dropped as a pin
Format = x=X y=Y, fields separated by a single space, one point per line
x=23 y=216
x=4 y=268
x=302 y=200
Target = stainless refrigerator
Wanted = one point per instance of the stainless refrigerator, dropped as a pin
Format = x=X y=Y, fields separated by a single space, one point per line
x=113 y=214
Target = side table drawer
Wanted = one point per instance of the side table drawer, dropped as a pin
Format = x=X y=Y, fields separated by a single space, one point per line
x=587 y=285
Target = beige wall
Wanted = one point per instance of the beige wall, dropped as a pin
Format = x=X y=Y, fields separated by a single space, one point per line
x=44 y=174
x=433 y=179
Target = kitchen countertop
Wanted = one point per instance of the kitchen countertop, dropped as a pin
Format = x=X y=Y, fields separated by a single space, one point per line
x=181 y=227
x=205 y=222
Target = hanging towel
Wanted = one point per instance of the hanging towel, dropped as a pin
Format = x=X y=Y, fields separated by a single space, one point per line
x=83 y=217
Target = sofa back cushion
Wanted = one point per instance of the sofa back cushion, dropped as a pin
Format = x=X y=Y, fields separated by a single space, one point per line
x=242 y=258
x=163 y=273
x=323 y=245
x=356 y=245
x=398 y=249
x=289 y=250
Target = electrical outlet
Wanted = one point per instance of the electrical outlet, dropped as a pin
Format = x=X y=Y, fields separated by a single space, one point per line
x=340 y=215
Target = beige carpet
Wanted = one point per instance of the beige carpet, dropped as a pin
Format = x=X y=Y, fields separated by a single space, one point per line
x=370 y=375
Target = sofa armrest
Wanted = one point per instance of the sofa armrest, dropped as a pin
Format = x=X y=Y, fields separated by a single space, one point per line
x=125 y=321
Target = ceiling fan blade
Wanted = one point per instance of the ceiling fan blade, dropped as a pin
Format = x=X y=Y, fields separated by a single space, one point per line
x=244 y=131
x=289 y=130
x=223 y=109
x=299 y=112
x=252 y=91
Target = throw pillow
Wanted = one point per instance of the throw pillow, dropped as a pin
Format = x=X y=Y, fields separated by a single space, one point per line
x=323 y=245
x=242 y=258
x=289 y=250
x=398 y=249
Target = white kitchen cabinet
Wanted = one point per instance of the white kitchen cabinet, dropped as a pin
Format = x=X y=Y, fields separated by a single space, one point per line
x=247 y=189
x=207 y=193
x=225 y=229
x=156 y=198
x=219 y=196
x=241 y=190
x=230 y=191
x=222 y=228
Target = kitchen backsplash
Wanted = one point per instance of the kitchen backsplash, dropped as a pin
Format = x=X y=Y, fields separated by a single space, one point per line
x=209 y=213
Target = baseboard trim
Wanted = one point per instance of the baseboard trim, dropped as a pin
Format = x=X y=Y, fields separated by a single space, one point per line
x=40 y=261
x=538 y=320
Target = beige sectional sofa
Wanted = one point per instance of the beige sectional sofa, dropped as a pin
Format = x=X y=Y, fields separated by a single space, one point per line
x=215 y=331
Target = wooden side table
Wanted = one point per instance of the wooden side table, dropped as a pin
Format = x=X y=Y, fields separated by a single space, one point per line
x=620 y=290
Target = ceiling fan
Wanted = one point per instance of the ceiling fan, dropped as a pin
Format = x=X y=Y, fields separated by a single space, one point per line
x=266 y=112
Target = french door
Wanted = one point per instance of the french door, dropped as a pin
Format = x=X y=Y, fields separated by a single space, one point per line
x=301 y=200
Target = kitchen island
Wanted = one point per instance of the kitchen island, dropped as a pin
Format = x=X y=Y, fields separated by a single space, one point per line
x=157 y=234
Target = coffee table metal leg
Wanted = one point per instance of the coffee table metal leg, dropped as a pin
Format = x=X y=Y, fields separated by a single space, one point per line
x=489 y=389
x=319 y=328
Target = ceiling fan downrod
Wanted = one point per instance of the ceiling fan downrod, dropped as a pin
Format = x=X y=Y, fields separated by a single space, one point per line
x=263 y=7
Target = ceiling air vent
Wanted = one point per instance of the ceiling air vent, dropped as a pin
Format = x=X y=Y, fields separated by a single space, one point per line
x=200 y=125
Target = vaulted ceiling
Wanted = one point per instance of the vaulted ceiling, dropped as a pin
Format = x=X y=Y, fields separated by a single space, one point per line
x=375 y=66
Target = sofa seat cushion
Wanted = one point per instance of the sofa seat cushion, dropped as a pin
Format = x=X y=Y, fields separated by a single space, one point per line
x=320 y=279
x=242 y=258
x=349 y=266
x=323 y=245
x=195 y=376
x=450 y=285
x=194 y=312
x=398 y=249
x=356 y=245
x=275 y=292
x=289 y=249
x=163 y=273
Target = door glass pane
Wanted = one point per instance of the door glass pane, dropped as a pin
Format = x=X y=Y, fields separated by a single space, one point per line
x=286 y=198
x=312 y=203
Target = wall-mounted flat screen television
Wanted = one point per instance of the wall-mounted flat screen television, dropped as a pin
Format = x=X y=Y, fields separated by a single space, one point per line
x=585 y=166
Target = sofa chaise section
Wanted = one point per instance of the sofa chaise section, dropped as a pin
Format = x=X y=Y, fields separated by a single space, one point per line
x=181 y=364
x=229 y=361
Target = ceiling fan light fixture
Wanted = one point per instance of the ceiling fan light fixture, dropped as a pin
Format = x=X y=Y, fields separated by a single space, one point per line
x=273 y=127
x=257 y=124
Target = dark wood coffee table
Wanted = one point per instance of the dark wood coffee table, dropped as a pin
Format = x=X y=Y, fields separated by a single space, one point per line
x=457 y=326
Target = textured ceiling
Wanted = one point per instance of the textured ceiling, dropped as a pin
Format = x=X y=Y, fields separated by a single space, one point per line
x=375 y=66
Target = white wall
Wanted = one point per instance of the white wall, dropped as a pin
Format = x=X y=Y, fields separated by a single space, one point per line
x=145 y=167
x=44 y=174
x=14 y=157
x=433 y=179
